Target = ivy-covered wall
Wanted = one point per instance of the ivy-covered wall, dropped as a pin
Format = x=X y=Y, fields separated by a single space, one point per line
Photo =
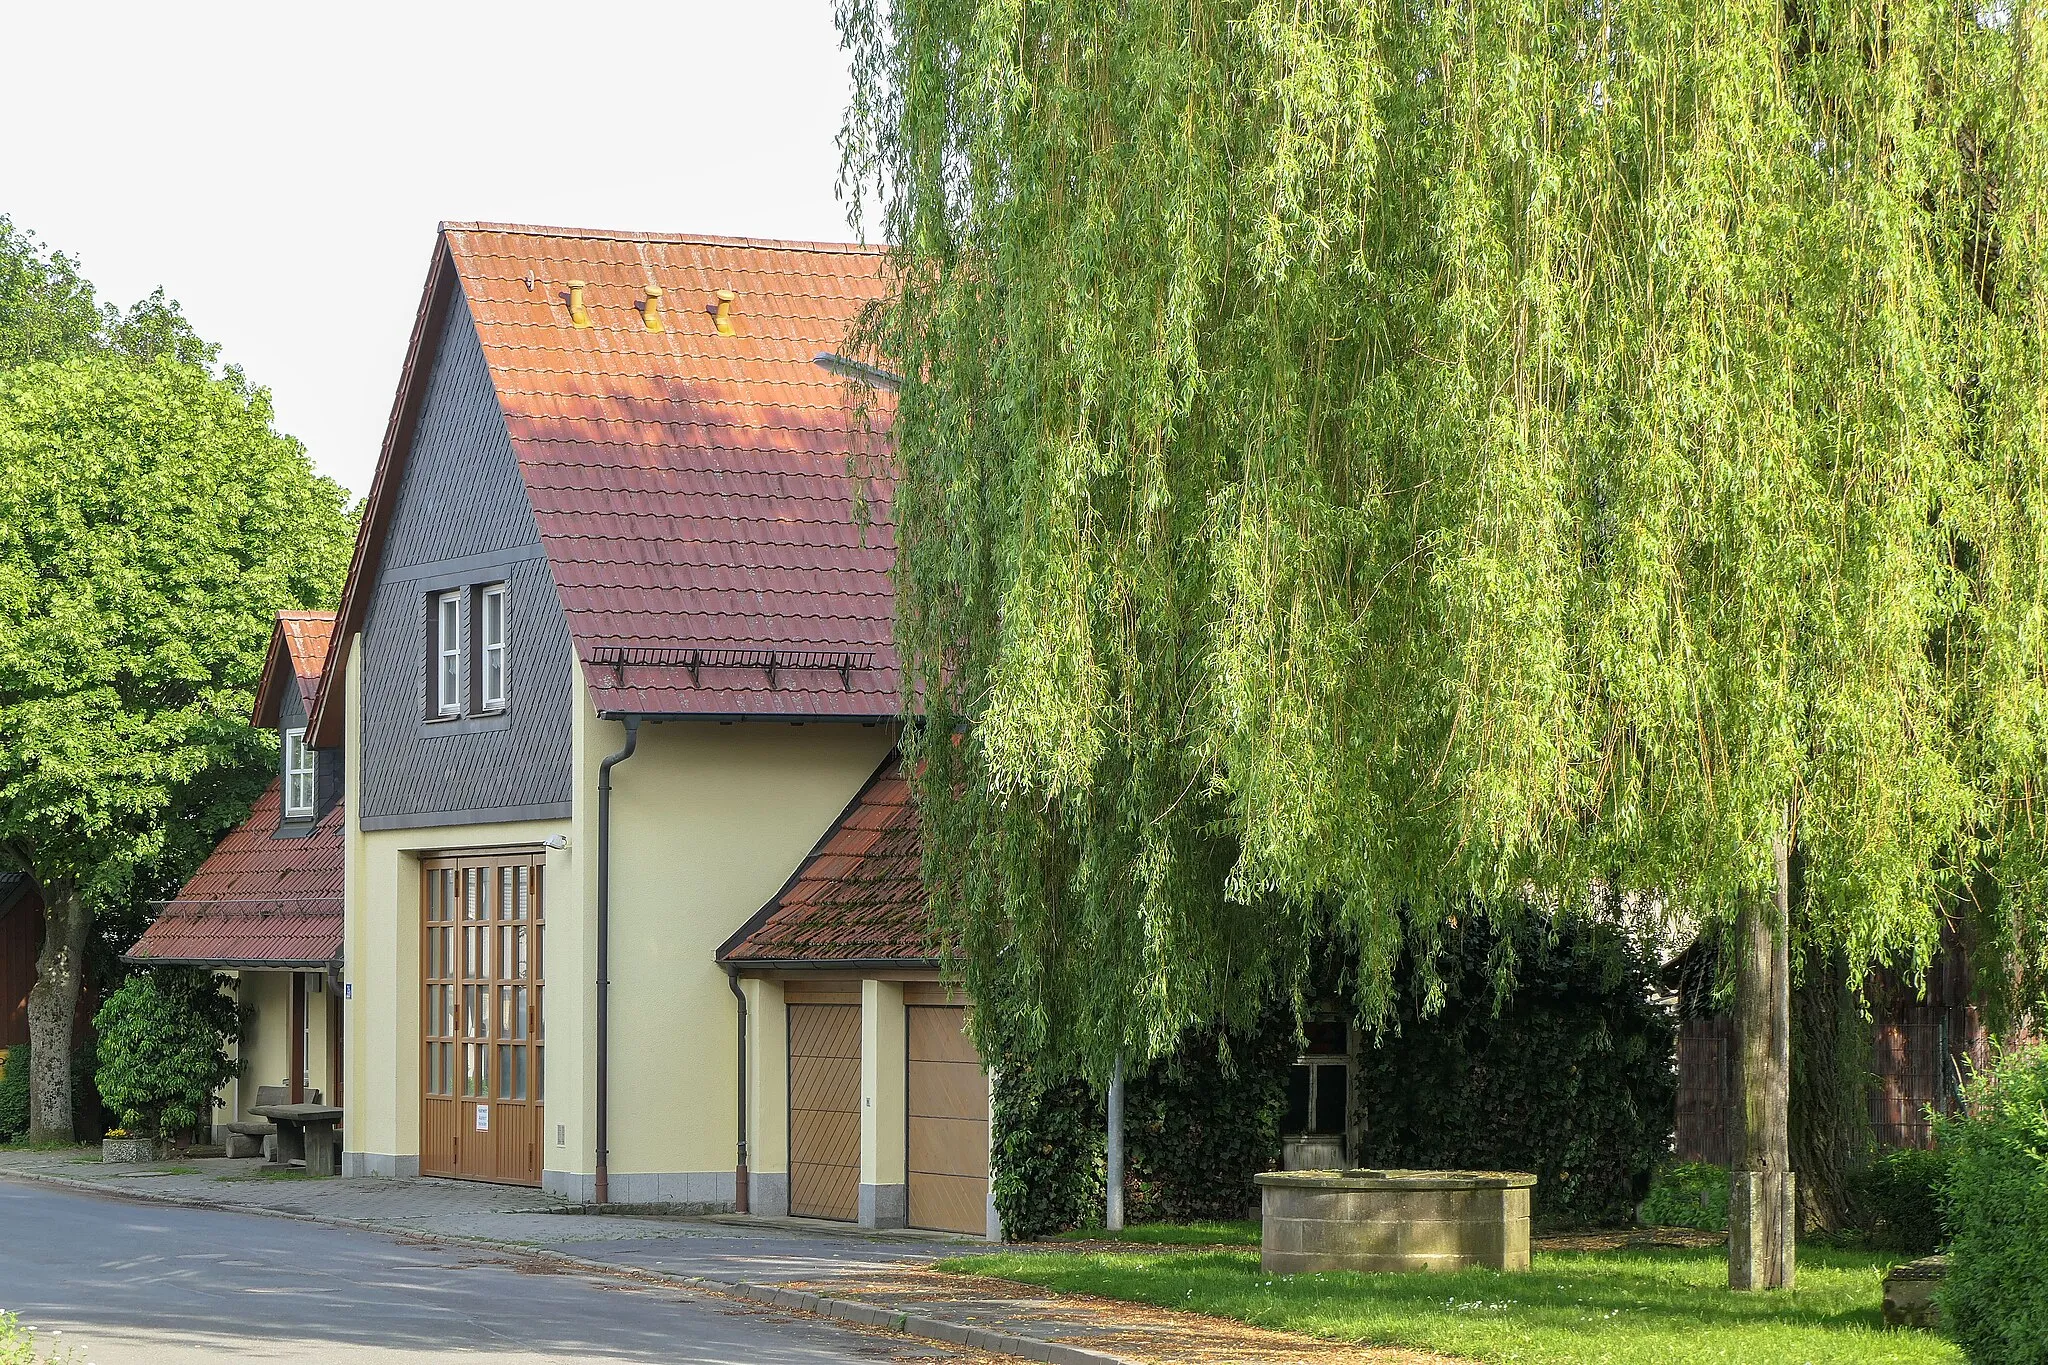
x=1571 y=1076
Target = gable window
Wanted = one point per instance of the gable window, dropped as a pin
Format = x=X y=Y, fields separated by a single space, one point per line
x=490 y=648
x=298 y=774
x=445 y=654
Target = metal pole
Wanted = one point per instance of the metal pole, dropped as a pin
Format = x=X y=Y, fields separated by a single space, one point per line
x=1113 y=1216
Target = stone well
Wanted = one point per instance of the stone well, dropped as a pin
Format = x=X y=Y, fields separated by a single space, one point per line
x=1394 y=1220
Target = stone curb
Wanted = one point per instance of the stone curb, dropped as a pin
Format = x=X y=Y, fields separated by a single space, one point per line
x=772 y=1296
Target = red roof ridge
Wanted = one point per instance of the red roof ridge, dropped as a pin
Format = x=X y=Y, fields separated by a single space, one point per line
x=678 y=238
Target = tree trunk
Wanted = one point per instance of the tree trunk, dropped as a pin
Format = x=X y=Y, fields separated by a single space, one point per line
x=1762 y=1215
x=1831 y=1065
x=52 y=1010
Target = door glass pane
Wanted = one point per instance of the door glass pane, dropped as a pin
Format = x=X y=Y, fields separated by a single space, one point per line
x=1331 y=1085
x=539 y=1075
x=1298 y=1117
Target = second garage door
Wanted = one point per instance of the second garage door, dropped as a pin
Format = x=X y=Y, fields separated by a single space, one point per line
x=824 y=1111
x=948 y=1123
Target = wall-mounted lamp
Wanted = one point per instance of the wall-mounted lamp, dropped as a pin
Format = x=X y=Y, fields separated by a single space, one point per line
x=555 y=841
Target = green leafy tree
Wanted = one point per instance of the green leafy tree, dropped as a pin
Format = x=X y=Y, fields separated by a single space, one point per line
x=49 y=311
x=152 y=521
x=163 y=1050
x=1358 y=460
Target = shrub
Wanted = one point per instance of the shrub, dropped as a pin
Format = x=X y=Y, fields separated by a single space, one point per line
x=163 y=1049
x=1571 y=1077
x=14 y=1094
x=1995 y=1299
x=1687 y=1194
x=1896 y=1200
x=1200 y=1123
x=1046 y=1163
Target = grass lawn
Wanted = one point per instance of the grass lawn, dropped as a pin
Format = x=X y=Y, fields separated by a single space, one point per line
x=1235 y=1234
x=1649 y=1306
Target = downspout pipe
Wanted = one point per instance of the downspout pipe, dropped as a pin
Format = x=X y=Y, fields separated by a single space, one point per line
x=604 y=954
x=739 y=1171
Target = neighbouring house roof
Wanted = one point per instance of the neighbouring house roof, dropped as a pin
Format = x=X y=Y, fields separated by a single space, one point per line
x=856 y=898
x=297 y=655
x=692 y=489
x=258 y=900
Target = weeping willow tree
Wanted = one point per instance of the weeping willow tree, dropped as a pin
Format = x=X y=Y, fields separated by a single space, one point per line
x=1362 y=465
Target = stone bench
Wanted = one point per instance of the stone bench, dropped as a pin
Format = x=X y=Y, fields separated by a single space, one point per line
x=1374 y=1220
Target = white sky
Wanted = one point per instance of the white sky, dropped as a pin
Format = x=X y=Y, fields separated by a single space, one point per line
x=279 y=168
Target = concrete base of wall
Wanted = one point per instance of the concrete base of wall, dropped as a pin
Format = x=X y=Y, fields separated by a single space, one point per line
x=697 y=1191
x=1394 y=1221
x=378 y=1166
x=768 y=1194
x=884 y=1206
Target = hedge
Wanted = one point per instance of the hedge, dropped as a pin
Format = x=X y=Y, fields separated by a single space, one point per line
x=1995 y=1299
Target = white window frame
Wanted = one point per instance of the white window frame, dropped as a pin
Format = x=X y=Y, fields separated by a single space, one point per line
x=447 y=659
x=491 y=634
x=300 y=774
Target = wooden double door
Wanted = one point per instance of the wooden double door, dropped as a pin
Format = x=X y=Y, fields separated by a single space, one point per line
x=483 y=1074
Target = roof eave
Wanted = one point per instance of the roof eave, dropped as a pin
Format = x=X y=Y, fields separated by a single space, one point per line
x=266 y=964
x=822 y=964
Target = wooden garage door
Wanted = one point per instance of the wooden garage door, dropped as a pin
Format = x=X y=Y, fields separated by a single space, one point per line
x=948 y=1123
x=824 y=1111
x=482 y=1077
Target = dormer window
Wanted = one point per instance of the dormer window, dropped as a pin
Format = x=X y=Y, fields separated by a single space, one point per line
x=299 y=785
x=490 y=648
x=445 y=654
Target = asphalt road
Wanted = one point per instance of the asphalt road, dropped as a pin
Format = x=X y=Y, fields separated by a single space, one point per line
x=141 y=1284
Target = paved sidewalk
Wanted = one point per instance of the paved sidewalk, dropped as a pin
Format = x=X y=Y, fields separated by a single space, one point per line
x=874 y=1280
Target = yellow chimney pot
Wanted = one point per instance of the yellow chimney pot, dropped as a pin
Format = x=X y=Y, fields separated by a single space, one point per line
x=650 y=313
x=579 y=316
x=724 y=314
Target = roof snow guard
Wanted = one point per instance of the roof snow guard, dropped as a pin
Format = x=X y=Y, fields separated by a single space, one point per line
x=257 y=901
x=691 y=484
x=856 y=899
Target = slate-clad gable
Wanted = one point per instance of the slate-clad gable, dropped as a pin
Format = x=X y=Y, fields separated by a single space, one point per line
x=461 y=518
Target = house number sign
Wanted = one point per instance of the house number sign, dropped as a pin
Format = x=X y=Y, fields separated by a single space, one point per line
x=483 y=1118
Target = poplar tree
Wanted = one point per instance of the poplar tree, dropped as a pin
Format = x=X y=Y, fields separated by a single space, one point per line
x=1364 y=465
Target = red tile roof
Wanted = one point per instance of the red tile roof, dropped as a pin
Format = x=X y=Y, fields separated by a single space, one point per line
x=856 y=898
x=257 y=900
x=692 y=489
x=298 y=651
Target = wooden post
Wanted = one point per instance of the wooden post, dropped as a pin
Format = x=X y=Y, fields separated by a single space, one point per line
x=1762 y=1209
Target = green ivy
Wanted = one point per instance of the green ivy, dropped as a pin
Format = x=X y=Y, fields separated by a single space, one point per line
x=1570 y=1077
x=163 y=1052
x=1995 y=1299
x=14 y=1094
x=1046 y=1159
x=1202 y=1121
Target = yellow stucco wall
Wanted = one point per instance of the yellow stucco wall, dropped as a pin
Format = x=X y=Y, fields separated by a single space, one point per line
x=709 y=821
